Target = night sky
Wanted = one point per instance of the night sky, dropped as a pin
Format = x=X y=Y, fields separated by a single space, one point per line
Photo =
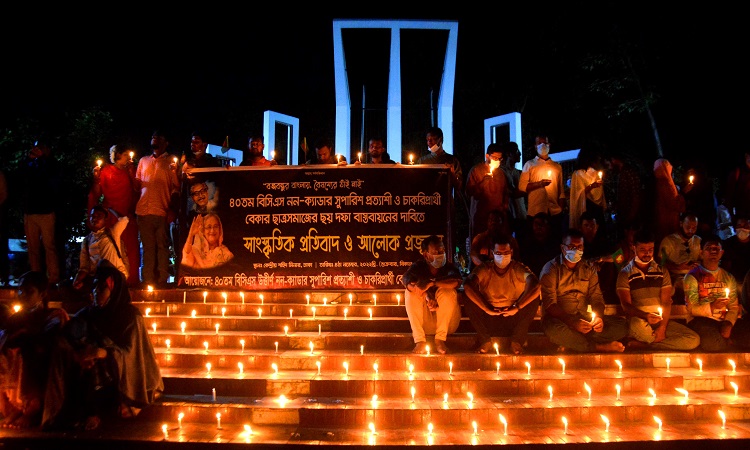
x=218 y=69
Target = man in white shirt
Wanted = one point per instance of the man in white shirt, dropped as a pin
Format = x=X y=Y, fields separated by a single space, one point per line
x=542 y=181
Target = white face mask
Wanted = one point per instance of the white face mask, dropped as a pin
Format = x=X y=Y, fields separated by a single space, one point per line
x=542 y=149
x=743 y=233
x=494 y=164
x=434 y=148
x=640 y=261
x=438 y=261
x=573 y=255
x=502 y=261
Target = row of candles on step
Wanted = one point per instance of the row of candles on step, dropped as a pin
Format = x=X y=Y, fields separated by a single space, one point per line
x=194 y=314
x=225 y=297
x=431 y=429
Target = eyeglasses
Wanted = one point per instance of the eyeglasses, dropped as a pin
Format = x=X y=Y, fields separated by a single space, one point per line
x=712 y=249
x=509 y=252
x=212 y=227
x=574 y=247
x=200 y=192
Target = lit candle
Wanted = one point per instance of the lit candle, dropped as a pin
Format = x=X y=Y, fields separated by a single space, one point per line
x=588 y=389
x=276 y=344
x=184 y=297
x=307 y=297
x=273 y=154
x=734 y=366
x=311 y=347
x=549 y=174
x=153 y=325
x=606 y=422
x=168 y=311
x=600 y=174
x=317 y=363
x=320 y=329
x=169 y=343
x=549 y=389
x=700 y=364
x=213 y=394
x=562 y=363
x=242 y=296
x=261 y=298
x=413 y=392
x=398 y=299
x=242 y=343
x=224 y=294
x=660 y=311
x=282 y=400
x=217 y=328
x=682 y=391
x=667 y=361
x=653 y=393
x=497 y=366
x=528 y=367
x=193 y=313
x=369 y=310
x=248 y=430
x=132 y=154
x=99 y=163
x=411 y=158
x=275 y=368
x=208 y=368
x=350 y=299
x=164 y=430
x=726 y=292
x=205 y=345
x=723 y=419
x=593 y=317
x=427 y=349
x=205 y=294
x=497 y=348
x=218 y=421
x=286 y=330
x=658 y=422
x=361 y=349
x=429 y=428
x=411 y=369
x=374 y=401
x=260 y=312
x=291 y=311
x=180 y=416
x=346 y=368
x=223 y=312
x=241 y=367
x=619 y=365
x=445 y=398
x=565 y=425
x=182 y=327
x=505 y=425
x=471 y=398
x=372 y=428
x=148 y=311
x=313 y=311
x=374 y=300
x=174 y=159
x=346 y=312
x=735 y=387
x=618 y=388
x=375 y=368
x=691 y=178
x=474 y=424
x=450 y=367
x=359 y=156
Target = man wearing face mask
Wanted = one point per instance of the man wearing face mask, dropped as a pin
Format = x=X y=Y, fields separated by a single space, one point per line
x=487 y=187
x=645 y=292
x=431 y=298
x=504 y=298
x=573 y=304
x=542 y=180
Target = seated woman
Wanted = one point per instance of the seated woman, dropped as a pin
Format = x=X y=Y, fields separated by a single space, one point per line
x=26 y=343
x=205 y=249
x=108 y=343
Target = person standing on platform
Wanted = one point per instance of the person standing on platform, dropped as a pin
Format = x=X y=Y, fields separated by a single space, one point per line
x=324 y=154
x=41 y=176
x=377 y=152
x=254 y=155
x=669 y=204
x=504 y=298
x=431 y=296
x=573 y=305
x=587 y=189
x=156 y=177
x=487 y=189
x=542 y=181
x=517 y=198
x=114 y=188
x=712 y=302
x=645 y=292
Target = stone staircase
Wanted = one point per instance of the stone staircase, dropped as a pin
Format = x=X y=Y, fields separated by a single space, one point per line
x=343 y=367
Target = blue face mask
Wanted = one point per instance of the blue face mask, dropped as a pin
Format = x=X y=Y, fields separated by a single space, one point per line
x=438 y=261
x=542 y=149
x=502 y=261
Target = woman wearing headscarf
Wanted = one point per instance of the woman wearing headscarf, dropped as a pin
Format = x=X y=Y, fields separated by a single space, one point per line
x=668 y=202
x=109 y=347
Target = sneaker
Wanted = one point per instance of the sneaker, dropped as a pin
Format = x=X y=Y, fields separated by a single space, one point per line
x=420 y=348
x=440 y=347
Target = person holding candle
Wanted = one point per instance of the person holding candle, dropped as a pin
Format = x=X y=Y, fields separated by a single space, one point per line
x=542 y=181
x=487 y=190
x=156 y=177
x=570 y=287
x=643 y=287
x=504 y=298
x=254 y=154
x=431 y=296
x=680 y=252
x=114 y=188
x=377 y=152
x=324 y=154
x=587 y=187
x=712 y=305
x=41 y=176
